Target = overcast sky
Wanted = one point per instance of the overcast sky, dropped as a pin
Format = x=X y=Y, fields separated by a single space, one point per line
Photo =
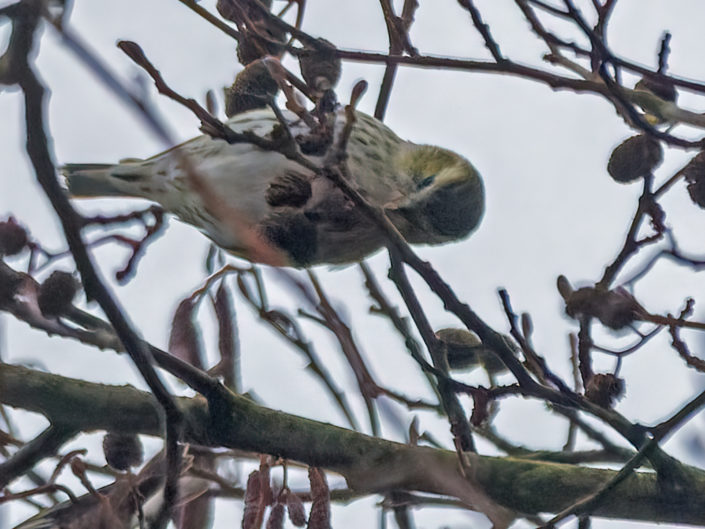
x=551 y=207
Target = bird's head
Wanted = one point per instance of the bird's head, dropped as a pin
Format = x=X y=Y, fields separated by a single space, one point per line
x=447 y=198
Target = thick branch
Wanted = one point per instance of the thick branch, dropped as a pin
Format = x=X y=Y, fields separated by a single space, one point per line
x=368 y=464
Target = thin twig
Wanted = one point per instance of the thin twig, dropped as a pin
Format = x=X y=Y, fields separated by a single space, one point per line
x=400 y=324
x=484 y=30
x=369 y=389
x=38 y=151
x=288 y=328
x=397 y=31
x=204 y=13
x=458 y=421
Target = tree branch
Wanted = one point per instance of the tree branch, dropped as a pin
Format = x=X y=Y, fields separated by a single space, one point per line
x=367 y=463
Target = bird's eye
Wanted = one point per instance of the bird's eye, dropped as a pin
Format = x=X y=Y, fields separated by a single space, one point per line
x=426 y=181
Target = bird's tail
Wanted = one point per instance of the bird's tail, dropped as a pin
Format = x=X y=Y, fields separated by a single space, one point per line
x=90 y=180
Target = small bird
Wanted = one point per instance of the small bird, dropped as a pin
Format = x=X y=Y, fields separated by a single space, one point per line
x=431 y=195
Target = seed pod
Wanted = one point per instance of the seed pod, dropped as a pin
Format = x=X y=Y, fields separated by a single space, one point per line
x=254 y=509
x=634 y=158
x=604 y=389
x=295 y=508
x=253 y=88
x=78 y=467
x=320 y=68
x=122 y=451
x=259 y=36
x=56 y=293
x=276 y=517
x=319 y=484
x=266 y=493
x=13 y=237
x=319 y=516
x=694 y=174
x=614 y=308
x=251 y=46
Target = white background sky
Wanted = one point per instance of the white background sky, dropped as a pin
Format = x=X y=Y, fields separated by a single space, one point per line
x=551 y=207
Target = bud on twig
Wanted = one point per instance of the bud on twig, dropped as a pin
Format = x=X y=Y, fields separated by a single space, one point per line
x=320 y=67
x=122 y=451
x=614 y=308
x=13 y=237
x=56 y=293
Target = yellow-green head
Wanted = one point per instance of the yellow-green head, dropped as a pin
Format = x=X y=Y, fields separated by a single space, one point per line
x=448 y=199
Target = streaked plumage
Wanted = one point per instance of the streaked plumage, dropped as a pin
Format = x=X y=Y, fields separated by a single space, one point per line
x=432 y=195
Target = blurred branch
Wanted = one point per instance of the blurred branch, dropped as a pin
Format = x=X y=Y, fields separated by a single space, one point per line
x=331 y=320
x=45 y=445
x=564 y=456
x=38 y=151
x=87 y=328
x=138 y=246
x=673 y=477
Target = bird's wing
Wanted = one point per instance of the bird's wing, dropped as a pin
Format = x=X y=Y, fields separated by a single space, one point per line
x=328 y=227
x=297 y=211
x=244 y=179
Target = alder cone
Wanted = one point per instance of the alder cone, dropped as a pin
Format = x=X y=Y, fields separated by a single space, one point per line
x=634 y=158
x=56 y=293
x=13 y=237
x=694 y=174
x=604 y=389
x=122 y=451
x=320 y=67
x=253 y=88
